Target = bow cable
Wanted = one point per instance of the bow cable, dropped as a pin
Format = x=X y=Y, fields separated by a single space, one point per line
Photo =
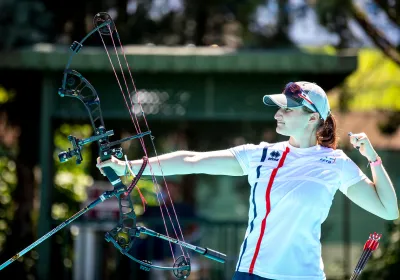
x=136 y=124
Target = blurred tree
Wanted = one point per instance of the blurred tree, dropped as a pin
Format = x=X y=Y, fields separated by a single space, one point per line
x=17 y=180
x=269 y=26
x=23 y=22
x=218 y=22
x=221 y=22
x=377 y=36
x=250 y=23
x=336 y=16
x=391 y=8
x=375 y=74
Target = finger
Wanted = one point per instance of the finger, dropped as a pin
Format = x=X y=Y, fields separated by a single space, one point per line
x=114 y=159
x=354 y=140
x=354 y=137
x=357 y=139
x=357 y=143
x=361 y=140
x=101 y=170
x=103 y=164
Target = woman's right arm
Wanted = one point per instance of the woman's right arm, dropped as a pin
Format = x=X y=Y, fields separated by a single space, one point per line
x=221 y=162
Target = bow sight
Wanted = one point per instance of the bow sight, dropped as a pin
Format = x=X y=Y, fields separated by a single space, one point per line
x=105 y=146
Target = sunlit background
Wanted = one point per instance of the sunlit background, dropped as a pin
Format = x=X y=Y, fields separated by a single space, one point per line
x=200 y=69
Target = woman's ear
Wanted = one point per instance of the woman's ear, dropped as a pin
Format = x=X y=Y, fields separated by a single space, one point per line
x=314 y=118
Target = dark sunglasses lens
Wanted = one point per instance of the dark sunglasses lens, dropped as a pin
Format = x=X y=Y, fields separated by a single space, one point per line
x=293 y=91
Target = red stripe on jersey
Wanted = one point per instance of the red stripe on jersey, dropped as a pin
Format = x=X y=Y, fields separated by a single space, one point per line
x=268 y=206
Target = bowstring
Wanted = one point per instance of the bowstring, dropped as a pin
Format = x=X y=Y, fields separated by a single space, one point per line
x=135 y=121
x=155 y=151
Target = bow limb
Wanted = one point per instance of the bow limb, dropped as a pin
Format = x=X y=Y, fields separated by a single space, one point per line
x=146 y=264
x=77 y=46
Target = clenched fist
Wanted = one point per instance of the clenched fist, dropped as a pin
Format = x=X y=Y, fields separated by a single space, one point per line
x=362 y=143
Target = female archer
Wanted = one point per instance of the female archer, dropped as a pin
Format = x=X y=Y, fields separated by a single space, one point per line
x=292 y=184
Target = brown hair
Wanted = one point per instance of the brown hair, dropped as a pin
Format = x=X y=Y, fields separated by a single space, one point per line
x=327 y=135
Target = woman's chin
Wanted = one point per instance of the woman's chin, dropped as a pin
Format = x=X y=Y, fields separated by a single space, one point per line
x=280 y=130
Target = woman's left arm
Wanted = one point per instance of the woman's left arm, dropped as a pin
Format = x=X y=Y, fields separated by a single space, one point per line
x=378 y=197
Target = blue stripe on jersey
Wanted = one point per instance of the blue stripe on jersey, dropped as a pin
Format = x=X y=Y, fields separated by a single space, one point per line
x=264 y=155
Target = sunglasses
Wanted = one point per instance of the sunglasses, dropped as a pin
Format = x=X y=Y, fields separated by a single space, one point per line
x=297 y=94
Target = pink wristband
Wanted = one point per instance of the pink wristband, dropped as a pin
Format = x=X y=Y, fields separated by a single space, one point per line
x=378 y=161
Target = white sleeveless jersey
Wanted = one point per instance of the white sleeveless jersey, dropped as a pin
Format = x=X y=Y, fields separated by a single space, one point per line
x=291 y=193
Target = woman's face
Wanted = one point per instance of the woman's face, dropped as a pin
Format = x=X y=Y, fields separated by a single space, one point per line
x=292 y=121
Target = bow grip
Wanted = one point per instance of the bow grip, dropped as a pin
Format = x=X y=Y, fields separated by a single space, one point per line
x=112 y=176
x=214 y=255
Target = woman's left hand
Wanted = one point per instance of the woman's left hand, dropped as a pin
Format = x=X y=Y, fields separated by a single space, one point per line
x=362 y=143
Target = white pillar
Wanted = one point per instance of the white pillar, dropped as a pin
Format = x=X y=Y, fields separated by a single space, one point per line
x=85 y=254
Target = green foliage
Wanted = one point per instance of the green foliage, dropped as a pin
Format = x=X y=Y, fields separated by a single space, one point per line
x=71 y=180
x=8 y=183
x=8 y=172
x=218 y=22
x=375 y=76
x=6 y=95
x=23 y=22
x=334 y=14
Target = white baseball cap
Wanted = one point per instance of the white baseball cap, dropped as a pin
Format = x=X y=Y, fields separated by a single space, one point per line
x=298 y=94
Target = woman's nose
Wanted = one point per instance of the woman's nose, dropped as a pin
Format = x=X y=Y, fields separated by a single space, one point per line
x=278 y=115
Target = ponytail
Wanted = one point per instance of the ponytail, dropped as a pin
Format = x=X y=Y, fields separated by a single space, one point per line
x=327 y=135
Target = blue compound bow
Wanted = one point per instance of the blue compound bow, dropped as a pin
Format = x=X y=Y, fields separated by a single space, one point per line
x=126 y=231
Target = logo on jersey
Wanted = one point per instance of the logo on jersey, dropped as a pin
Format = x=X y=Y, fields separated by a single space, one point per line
x=328 y=159
x=274 y=155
